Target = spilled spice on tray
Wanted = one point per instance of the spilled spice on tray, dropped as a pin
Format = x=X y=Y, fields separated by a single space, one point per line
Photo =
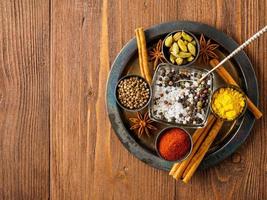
x=174 y=144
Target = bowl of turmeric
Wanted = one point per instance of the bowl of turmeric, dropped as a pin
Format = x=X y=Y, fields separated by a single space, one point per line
x=228 y=103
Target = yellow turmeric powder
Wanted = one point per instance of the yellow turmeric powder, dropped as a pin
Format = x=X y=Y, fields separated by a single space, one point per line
x=228 y=103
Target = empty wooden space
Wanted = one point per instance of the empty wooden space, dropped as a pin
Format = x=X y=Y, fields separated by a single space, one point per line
x=56 y=141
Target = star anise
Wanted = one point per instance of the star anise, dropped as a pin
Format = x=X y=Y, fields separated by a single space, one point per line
x=142 y=124
x=156 y=54
x=207 y=50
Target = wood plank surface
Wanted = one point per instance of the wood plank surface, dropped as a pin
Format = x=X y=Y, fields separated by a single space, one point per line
x=75 y=71
x=55 y=57
x=24 y=99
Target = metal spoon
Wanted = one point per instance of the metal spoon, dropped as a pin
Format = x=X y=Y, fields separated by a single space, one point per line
x=237 y=50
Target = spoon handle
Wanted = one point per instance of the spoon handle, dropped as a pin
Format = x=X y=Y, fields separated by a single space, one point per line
x=241 y=47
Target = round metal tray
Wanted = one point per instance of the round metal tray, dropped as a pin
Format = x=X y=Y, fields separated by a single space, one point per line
x=230 y=137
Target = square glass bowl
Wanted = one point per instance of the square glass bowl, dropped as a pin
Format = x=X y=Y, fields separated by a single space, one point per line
x=177 y=98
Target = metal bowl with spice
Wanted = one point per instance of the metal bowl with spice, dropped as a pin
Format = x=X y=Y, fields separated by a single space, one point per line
x=181 y=48
x=133 y=93
x=228 y=103
x=174 y=144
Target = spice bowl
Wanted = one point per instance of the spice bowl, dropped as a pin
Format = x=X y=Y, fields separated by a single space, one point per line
x=133 y=93
x=232 y=106
x=177 y=99
x=173 y=144
x=181 y=48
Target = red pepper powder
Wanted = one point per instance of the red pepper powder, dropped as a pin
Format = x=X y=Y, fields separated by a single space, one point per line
x=174 y=144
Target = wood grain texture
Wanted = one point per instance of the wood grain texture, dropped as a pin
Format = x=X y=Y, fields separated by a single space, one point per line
x=24 y=99
x=75 y=101
x=55 y=57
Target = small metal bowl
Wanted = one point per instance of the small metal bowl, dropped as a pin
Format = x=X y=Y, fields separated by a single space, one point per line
x=162 y=132
x=235 y=88
x=125 y=108
x=165 y=50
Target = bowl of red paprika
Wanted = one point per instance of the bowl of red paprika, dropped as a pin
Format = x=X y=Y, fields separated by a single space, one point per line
x=174 y=144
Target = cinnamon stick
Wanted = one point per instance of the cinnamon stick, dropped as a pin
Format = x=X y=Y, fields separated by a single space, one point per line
x=195 y=136
x=229 y=79
x=182 y=166
x=198 y=157
x=142 y=53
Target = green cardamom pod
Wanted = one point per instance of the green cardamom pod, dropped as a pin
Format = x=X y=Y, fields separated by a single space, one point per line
x=182 y=45
x=175 y=54
x=192 y=49
x=172 y=59
x=177 y=36
x=189 y=59
x=193 y=42
x=184 y=55
x=179 y=61
x=187 y=37
x=175 y=48
x=169 y=41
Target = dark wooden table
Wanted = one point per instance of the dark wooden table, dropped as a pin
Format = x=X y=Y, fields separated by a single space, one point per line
x=55 y=137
